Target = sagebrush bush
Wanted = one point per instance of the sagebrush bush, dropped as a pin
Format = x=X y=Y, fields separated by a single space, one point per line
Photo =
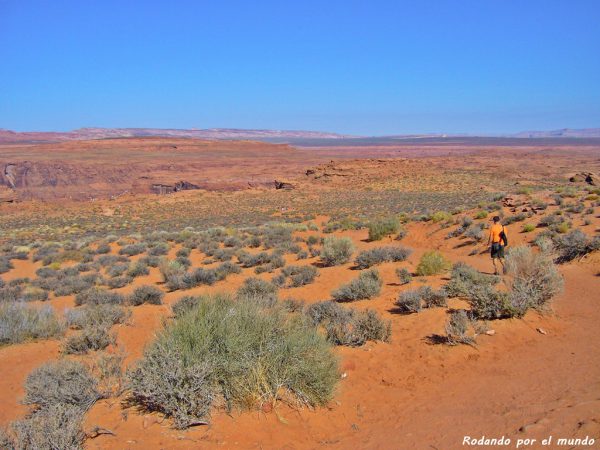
x=257 y=291
x=533 y=278
x=414 y=300
x=463 y=277
x=299 y=275
x=347 y=326
x=102 y=315
x=336 y=251
x=366 y=286
x=185 y=304
x=19 y=322
x=488 y=303
x=432 y=263
x=55 y=427
x=91 y=338
x=378 y=255
x=98 y=296
x=378 y=229
x=132 y=249
x=404 y=275
x=65 y=382
x=574 y=245
x=145 y=294
x=457 y=327
x=235 y=354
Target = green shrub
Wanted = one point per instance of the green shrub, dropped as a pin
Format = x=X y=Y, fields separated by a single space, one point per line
x=336 y=251
x=404 y=275
x=441 y=216
x=528 y=227
x=236 y=354
x=19 y=323
x=432 y=263
x=366 y=286
x=487 y=303
x=481 y=215
x=378 y=229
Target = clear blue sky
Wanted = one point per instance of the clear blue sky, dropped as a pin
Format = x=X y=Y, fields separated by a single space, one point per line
x=364 y=67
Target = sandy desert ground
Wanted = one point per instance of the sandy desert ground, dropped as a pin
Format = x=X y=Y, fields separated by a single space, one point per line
x=527 y=377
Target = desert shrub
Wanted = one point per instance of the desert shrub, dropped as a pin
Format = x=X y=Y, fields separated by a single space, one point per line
x=62 y=382
x=302 y=254
x=433 y=298
x=336 y=251
x=145 y=294
x=378 y=229
x=117 y=270
x=528 y=228
x=292 y=305
x=299 y=275
x=549 y=220
x=55 y=427
x=257 y=291
x=414 y=300
x=347 y=326
x=10 y=294
x=91 y=338
x=138 y=269
x=515 y=218
x=185 y=304
x=574 y=245
x=2 y=284
x=98 y=296
x=312 y=240
x=404 y=275
x=432 y=263
x=132 y=249
x=481 y=215
x=183 y=253
x=441 y=216
x=118 y=282
x=33 y=293
x=102 y=249
x=151 y=261
x=378 y=255
x=366 y=286
x=474 y=232
x=457 y=327
x=464 y=277
x=534 y=279
x=160 y=249
x=488 y=303
x=103 y=315
x=109 y=260
x=235 y=354
x=19 y=323
x=225 y=269
x=5 y=264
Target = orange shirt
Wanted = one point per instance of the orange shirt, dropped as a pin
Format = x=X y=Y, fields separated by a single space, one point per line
x=495 y=231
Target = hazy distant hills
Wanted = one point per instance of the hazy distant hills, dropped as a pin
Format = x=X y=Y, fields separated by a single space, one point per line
x=564 y=132
x=276 y=136
x=8 y=136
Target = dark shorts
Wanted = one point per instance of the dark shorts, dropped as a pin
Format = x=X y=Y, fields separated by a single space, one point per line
x=497 y=250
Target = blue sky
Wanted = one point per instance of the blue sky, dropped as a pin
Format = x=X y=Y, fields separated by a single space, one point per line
x=361 y=67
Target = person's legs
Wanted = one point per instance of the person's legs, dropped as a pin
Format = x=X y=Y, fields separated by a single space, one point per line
x=495 y=268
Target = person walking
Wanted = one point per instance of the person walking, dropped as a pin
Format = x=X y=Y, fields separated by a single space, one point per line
x=498 y=240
